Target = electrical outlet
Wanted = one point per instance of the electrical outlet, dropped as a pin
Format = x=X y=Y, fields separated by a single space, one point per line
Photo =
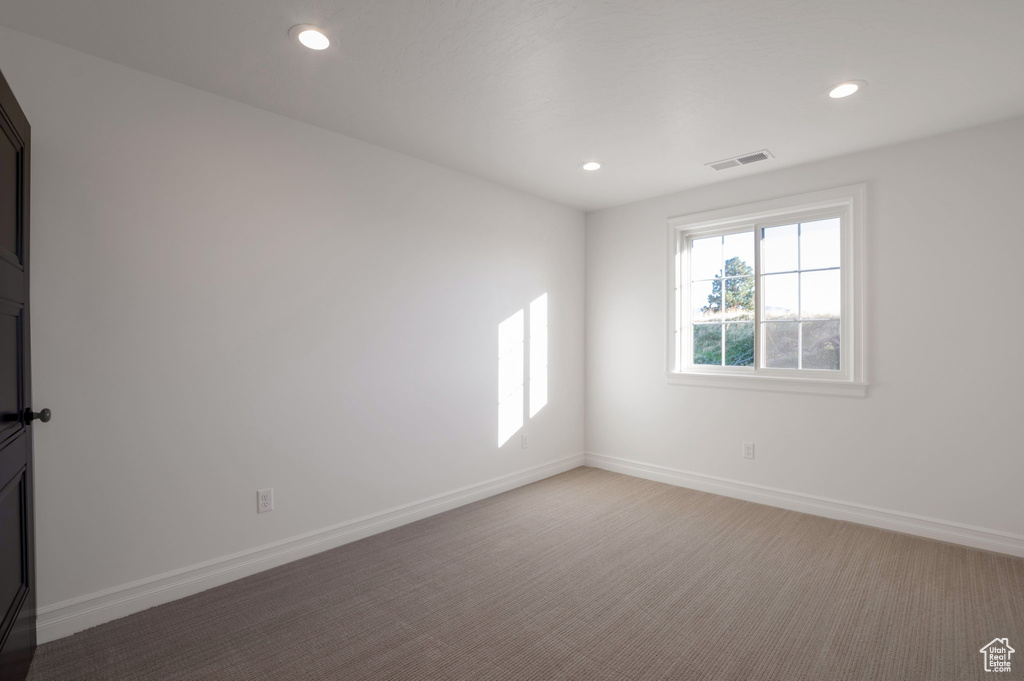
x=526 y=442
x=748 y=450
x=265 y=500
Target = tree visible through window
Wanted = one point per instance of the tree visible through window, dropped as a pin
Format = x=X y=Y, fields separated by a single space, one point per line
x=724 y=304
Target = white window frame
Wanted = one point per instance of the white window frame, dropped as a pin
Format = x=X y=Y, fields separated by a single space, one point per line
x=846 y=203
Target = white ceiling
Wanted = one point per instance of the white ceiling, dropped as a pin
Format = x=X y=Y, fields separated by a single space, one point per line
x=523 y=91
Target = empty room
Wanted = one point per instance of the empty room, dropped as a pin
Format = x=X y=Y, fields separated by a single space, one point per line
x=519 y=340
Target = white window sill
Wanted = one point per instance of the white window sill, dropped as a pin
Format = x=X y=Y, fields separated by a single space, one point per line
x=810 y=386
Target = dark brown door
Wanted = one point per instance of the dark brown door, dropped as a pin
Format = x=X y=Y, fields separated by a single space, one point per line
x=17 y=575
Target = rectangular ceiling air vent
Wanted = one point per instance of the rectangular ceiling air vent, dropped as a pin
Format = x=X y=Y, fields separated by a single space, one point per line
x=743 y=160
x=722 y=165
x=753 y=158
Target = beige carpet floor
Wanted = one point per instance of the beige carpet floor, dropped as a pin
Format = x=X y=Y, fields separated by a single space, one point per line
x=592 y=576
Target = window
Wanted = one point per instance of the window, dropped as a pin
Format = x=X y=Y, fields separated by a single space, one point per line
x=766 y=296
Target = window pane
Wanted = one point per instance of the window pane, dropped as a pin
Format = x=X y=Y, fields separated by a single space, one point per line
x=821 y=345
x=739 y=345
x=739 y=247
x=819 y=244
x=739 y=298
x=781 y=296
x=779 y=249
x=707 y=344
x=819 y=295
x=705 y=258
x=706 y=306
x=781 y=342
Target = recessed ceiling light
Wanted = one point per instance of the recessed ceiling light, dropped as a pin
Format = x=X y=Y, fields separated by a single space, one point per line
x=845 y=89
x=309 y=36
x=591 y=165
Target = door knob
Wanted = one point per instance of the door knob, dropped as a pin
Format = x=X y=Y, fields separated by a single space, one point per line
x=43 y=415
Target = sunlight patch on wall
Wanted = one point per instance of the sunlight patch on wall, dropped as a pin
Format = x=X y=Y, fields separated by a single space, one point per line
x=512 y=367
x=538 y=354
x=510 y=376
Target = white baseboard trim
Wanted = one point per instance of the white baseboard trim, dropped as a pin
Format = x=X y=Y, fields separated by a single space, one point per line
x=932 y=528
x=73 y=615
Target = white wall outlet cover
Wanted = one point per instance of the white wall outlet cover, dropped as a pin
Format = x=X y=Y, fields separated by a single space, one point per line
x=265 y=500
x=748 y=450
x=526 y=441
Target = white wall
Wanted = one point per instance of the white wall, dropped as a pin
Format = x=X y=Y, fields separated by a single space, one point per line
x=938 y=434
x=224 y=299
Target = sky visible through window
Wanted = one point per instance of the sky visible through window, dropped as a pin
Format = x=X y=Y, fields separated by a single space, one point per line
x=800 y=277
